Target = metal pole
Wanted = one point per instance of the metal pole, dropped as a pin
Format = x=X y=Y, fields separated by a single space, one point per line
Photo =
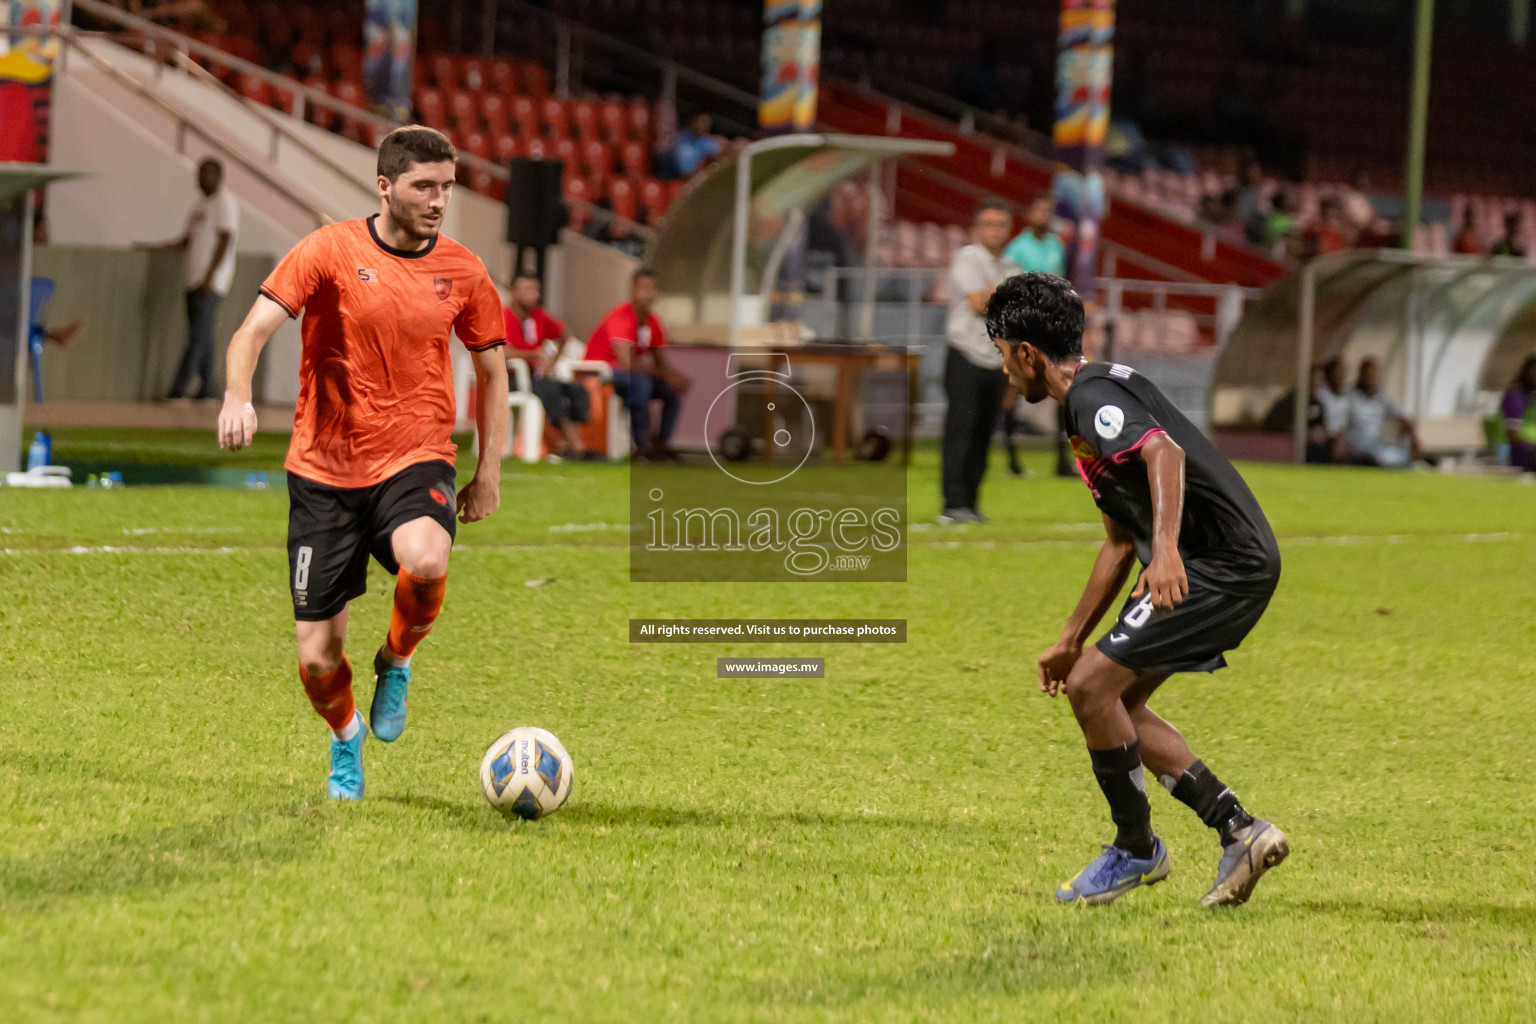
x=743 y=222
x=562 y=59
x=871 y=230
x=1418 y=111
x=488 y=30
x=1304 y=344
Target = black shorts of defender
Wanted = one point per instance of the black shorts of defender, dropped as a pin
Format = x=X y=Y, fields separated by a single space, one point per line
x=333 y=530
x=1192 y=636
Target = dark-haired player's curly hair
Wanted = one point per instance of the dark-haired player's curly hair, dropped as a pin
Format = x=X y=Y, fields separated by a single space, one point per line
x=1041 y=309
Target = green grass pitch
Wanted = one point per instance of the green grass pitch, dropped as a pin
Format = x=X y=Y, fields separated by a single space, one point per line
x=879 y=845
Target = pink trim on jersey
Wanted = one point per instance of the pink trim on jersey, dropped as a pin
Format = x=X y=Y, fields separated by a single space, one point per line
x=1125 y=455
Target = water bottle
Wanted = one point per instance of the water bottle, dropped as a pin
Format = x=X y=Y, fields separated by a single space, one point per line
x=40 y=453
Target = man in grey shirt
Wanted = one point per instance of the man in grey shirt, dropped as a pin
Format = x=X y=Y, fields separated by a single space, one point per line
x=974 y=380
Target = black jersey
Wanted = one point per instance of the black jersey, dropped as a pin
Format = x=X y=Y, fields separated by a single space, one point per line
x=1112 y=411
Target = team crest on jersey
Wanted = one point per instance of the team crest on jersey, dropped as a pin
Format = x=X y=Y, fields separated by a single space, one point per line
x=438 y=496
x=443 y=286
x=1082 y=449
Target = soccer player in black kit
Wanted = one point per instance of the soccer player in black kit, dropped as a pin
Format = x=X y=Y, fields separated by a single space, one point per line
x=1209 y=561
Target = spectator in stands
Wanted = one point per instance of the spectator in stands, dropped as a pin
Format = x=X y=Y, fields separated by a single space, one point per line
x=212 y=227
x=1510 y=244
x=1366 y=441
x=694 y=147
x=630 y=339
x=1326 y=234
x=1519 y=409
x=974 y=381
x=1466 y=242
x=1039 y=249
x=535 y=336
x=1328 y=412
x=1280 y=226
x=1250 y=202
x=1359 y=211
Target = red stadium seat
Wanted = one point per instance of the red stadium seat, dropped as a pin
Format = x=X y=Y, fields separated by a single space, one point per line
x=537 y=149
x=506 y=147
x=634 y=159
x=639 y=118
x=433 y=111
x=622 y=194
x=493 y=111
x=553 y=116
x=653 y=194
x=596 y=158
x=440 y=68
x=535 y=79
x=349 y=92
x=565 y=150
x=476 y=144
x=461 y=106
x=577 y=188
x=504 y=77
x=584 y=118
x=524 y=116
x=610 y=120
x=347 y=61
x=255 y=89
x=472 y=74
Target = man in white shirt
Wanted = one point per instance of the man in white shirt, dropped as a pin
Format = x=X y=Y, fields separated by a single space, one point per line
x=209 y=242
x=1366 y=442
x=974 y=381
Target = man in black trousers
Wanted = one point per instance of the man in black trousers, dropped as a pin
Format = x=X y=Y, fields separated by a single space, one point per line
x=974 y=380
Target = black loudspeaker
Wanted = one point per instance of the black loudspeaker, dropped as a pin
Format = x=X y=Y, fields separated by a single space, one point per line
x=535 y=207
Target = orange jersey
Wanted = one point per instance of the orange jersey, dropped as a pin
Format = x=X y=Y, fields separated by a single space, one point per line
x=375 y=379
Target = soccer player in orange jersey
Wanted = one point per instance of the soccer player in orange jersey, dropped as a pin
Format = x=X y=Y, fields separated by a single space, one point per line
x=370 y=467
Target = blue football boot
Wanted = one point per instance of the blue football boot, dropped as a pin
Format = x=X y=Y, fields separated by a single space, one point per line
x=1114 y=873
x=386 y=716
x=346 y=781
x=1253 y=850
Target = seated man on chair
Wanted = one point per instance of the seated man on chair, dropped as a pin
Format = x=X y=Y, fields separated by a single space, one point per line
x=535 y=336
x=630 y=339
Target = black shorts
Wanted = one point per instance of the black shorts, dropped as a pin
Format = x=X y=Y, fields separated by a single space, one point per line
x=1190 y=637
x=333 y=530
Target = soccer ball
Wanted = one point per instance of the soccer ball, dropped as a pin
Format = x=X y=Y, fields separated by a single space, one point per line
x=527 y=773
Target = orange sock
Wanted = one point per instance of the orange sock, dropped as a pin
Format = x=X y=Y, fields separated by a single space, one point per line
x=331 y=694
x=417 y=602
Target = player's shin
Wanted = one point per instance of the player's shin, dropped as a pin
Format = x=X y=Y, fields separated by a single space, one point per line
x=1119 y=774
x=1204 y=793
x=418 y=599
x=331 y=695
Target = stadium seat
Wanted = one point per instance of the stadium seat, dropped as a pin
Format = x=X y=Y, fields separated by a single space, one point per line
x=554 y=118
x=255 y=89
x=622 y=194
x=440 y=69
x=493 y=112
x=347 y=61
x=506 y=147
x=536 y=148
x=461 y=107
x=638 y=119
x=476 y=144
x=583 y=114
x=524 y=116
x=633 y=159
x=431 y=108
x=565 y=150
x=610 y=120
x=596 y=159
x=349 y=92
x=535 y=79
x=504 y=77
x=653 y=195
x=472 y=74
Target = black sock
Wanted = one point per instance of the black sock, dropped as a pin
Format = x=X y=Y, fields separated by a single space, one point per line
x=1206 y=796
x=1010 y=427
x=1120 y=777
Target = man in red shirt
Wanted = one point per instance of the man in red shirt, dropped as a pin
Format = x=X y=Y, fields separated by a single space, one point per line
x=630 y=339
x=536 y=337
x=370 y=466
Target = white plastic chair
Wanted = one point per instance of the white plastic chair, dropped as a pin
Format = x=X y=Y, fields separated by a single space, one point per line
x=527 y=420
